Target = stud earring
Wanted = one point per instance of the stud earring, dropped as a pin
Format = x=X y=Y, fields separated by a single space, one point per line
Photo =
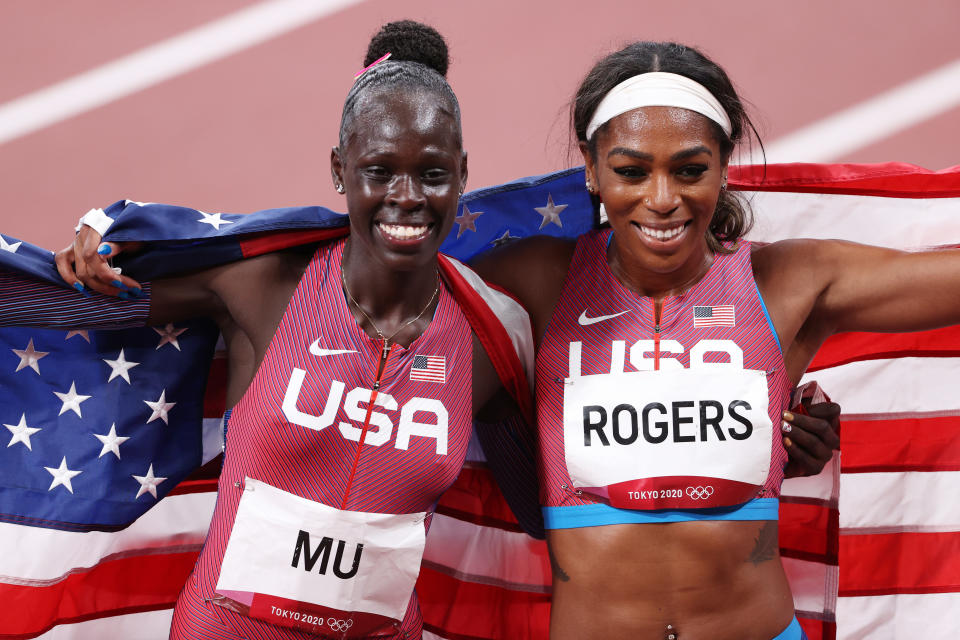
x=340 y=188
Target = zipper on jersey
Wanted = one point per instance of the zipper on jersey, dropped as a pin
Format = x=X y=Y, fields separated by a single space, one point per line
x=381 y=367
x=657 y=311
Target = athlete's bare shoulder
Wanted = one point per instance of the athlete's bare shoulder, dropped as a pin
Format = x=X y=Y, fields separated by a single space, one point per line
x=533 y=269
x=235 y=292
x=786 y=262
x=256 y=290
x=792 y=276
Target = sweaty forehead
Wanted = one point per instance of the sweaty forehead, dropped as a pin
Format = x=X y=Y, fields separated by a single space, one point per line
x=397 y=113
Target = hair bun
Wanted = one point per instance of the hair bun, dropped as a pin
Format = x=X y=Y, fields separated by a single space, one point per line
x=408 y=40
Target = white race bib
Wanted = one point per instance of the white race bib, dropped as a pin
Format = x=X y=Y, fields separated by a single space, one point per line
x=679 y=438
x=298 y=563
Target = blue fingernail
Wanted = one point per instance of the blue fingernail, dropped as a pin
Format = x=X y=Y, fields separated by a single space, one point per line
x=123 y=295
x=120 y=285
x=78 y=286
x=104 y=249
x=136 y=291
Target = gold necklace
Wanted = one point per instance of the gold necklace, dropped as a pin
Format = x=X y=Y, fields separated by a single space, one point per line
x=386 y=339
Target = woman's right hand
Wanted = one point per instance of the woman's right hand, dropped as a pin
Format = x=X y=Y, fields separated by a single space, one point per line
x=85 y=264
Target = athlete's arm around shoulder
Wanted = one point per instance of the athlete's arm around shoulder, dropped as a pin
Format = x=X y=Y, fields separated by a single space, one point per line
x=533 y=270
x=232 y=294
x=249 y=294
x=815 y=288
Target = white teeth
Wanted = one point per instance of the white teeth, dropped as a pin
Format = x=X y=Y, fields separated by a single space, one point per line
x=403 y=231
x=662 y=234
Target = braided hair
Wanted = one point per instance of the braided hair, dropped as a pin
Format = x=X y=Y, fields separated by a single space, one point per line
x=418 y=61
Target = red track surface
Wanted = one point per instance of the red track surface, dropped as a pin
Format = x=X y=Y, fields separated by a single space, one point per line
x=254 y=130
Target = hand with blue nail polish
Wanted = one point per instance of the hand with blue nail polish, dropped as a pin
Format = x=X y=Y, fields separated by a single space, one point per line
x=86 y=264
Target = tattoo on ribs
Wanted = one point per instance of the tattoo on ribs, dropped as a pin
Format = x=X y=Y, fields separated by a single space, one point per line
x=555 y=566
x=765 y=546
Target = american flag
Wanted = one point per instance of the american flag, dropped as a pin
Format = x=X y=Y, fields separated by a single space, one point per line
x=97 y=418
x=429 y=369
x=719 y=316
x=894 y=496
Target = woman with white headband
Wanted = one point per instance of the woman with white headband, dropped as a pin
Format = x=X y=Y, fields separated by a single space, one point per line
x=667 y=350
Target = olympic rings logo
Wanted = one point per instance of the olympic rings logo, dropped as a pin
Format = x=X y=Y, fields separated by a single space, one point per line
x=700 y=493
x=339 y=625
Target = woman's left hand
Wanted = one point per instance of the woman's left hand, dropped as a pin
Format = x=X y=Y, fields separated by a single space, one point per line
x=811 y=439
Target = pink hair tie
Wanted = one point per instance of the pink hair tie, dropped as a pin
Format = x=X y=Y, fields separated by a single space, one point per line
x=370 y=66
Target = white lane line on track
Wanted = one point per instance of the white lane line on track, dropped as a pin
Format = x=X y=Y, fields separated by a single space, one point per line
x=872 y=120
x=158 y=62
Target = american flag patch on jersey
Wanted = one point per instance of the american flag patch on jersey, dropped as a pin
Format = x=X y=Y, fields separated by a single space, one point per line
x=429 y=368
x=719 y=316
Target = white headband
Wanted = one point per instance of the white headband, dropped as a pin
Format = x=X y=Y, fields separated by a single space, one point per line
x=658 y=89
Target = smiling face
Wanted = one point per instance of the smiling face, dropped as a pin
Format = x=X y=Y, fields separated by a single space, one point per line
x=403 y=168
x=659 y=171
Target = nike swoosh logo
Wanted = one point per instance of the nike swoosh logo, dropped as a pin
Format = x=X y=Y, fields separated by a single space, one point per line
x=317 y=350
x=585 y=321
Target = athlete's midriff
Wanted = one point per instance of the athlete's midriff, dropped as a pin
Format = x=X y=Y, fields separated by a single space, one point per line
x=709 y=580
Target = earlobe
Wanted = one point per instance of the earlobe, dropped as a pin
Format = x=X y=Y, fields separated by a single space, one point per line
x=589 y=166
x=336 y=169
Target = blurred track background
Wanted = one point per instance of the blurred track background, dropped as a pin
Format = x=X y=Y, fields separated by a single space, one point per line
x=234 y=105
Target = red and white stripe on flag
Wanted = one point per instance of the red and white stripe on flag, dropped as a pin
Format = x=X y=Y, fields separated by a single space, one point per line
x=871 y=546
x=429 y=368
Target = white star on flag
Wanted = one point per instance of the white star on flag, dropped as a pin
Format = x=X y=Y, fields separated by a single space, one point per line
x=62 y=475
x=466 y=220
x=111 y=441
x=9 y=246
x=71 y=400
x=212 y=219
x=21 y=432
x=160 y=408
x=82 y=333
x=169 y=335
x=148 y=483
x=551 y=212
x=30 y=357
x=120 y=367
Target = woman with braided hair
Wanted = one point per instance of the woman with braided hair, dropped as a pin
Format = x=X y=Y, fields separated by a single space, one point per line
x=354 y=377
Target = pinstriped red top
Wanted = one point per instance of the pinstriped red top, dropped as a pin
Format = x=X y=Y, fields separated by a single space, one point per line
x=316 y=464
x=592 y=290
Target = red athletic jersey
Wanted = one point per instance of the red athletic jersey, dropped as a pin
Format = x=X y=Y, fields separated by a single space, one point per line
x=324 y=365
x=608 y=321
